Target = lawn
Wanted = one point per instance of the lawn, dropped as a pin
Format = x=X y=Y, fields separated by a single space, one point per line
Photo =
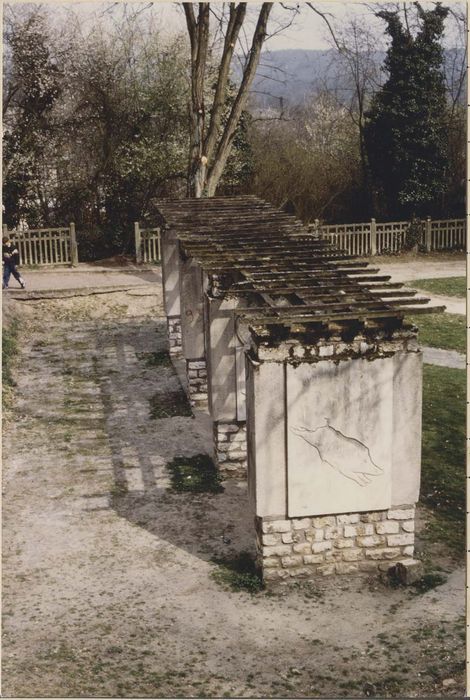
x=443 y=457
x=447 y=286
x=447 y=331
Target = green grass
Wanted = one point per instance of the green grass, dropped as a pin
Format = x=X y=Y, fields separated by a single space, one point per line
x=238 y=574
x=446 y=331
x=155 y=359
x=447 y=286
x=9 y=352
x=168 y=404
x=197 y=474
x=443 y=457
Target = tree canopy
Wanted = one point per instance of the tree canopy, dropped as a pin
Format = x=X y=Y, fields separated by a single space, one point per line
x=406 y=128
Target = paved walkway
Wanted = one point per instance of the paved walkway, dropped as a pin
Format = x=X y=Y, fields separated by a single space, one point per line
x=90 y=276
x=444 y=358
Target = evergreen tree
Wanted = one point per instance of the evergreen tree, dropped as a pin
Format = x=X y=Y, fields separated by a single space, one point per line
x=406 y=133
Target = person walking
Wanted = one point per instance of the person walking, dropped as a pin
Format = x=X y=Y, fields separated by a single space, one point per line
x=11 y=259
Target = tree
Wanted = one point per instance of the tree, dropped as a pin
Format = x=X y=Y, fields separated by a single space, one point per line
x=31 y=88
x=406 y=127
x=211 y=143
x=357 y=67
x=310 y=158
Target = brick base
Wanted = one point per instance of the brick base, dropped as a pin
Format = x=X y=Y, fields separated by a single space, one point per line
x=230 y=448
x=334 y=544
x=174 y=334
x=196 y=372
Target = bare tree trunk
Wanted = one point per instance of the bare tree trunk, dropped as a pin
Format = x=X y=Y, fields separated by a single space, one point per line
x=199 y=37
x=209 y=152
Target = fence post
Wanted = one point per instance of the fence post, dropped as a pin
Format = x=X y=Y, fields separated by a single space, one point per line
x=138 y=245
x=73 y=246
x=428 y=235
x=373 y=237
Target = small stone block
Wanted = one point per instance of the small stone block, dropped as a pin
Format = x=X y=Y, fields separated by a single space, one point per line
x=346 y=568
x=302 y=548
x=348 y=519
x=326 y=569
x=271 y=562
x=364 y=529
x=350 y=531
x=301 y=524
x=332 y=533
x=313 y=559
x=272 y=539
x=277 y=526
x=342 y=543
x=383 y=553
x=371 y=541
x=408 y=571
x=321 y=546
x=281 y=550
x=352 y=554
x=325 y=521
x=401 y=514
x=387 y=527
x=314 y=535
x=408 y=526
x=399 y=540
x=293 y=560
x=275 y=574
x=374 y=517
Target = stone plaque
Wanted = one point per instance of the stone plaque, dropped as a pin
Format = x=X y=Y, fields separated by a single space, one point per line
x=339 y=436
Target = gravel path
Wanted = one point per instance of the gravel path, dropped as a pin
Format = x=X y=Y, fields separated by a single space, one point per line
x=107 y=573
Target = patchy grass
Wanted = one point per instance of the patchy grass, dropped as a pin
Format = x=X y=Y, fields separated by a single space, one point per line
x=447 y=286
x=9 y=352
x=168 y=404
x=429 y=581
x=443 y=461
x=197 y=474
x=155 y=359
x=238 y=574
x=446 y=331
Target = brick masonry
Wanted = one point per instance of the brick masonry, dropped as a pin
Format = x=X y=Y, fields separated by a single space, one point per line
x=334 y=544
x=174 y=334
x=196 y=371
x=230 y=448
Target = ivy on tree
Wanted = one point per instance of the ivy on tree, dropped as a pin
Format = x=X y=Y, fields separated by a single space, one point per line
x=406 y=128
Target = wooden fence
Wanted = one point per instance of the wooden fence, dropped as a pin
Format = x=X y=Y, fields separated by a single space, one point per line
x=372 y=238
x=46 y=246
x=147 y=244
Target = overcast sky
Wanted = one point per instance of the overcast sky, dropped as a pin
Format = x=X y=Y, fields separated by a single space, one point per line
x=308 y=30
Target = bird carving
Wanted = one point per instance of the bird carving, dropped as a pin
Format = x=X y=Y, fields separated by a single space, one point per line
x=344 y=454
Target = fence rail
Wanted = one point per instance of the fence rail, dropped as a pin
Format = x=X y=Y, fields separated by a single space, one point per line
x=372 y=238
x=147 y=244
x=46 y=246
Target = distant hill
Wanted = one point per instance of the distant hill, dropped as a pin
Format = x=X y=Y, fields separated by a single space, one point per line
x=295 y=74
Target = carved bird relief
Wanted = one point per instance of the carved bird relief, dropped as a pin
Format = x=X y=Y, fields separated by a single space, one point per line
x=346 y=455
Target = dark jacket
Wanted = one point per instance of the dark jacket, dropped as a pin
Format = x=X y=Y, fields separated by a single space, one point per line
x=10 y=254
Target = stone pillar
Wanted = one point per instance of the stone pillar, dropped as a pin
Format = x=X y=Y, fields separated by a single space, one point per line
x=171 y=289
x=334 y=443
x=192 y=328
x=226 y=384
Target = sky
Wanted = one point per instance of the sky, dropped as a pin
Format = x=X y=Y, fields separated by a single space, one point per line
x=308 y=31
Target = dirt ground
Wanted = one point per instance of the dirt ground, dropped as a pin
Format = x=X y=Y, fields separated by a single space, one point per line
x=107 y=586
